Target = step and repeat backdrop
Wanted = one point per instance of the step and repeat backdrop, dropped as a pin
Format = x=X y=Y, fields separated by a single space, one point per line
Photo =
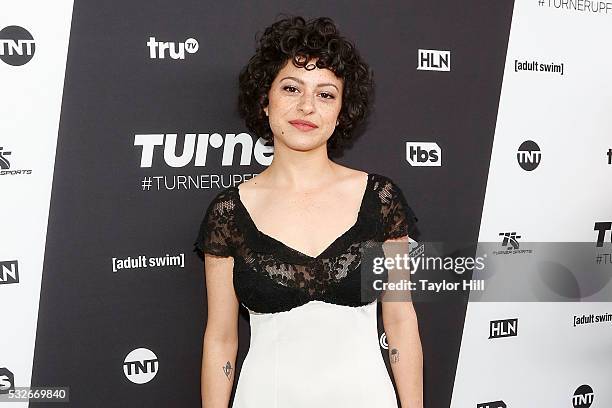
x=119 y=124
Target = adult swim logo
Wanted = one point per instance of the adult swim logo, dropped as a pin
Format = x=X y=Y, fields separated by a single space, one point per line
x=583 y=396
x=16 y=45
x=5 y=165
x=383 y=341
x=157 y=49
x=433 y=60
x=9 y=272
x=529 y=155
x=494 y=404
x=140 y=365
x=503 y=328
x=7 y=380
x=420 y=154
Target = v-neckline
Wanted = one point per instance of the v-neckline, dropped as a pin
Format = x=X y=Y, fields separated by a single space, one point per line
x=328 y=247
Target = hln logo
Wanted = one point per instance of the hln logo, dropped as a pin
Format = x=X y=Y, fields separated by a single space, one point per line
x=9 y=272
x=199 y=148
x=140 y=365
x=503 y=328
x=495 y=404
x=423 y=154
x=157 y=49
x=434 y=60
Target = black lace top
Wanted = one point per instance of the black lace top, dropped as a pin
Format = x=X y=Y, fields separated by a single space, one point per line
x=270 y=276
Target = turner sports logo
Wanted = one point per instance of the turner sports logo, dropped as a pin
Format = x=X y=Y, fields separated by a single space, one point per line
x=5 y=165
x=9 y=272
x=511 y=245
x=421 y=154
x=140 y=365
x=433 y=60
x=503 y=328
x=583 y=396
x=16 y=45
x=157 y=49
x=195 y=146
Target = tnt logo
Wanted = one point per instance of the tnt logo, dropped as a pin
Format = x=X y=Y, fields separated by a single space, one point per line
x=503 y=328
x=495 y=404
x=196 y=145
x=510 y=240
x=602 y=227
x=9 y=272
x=7 y=381
x=420 y=154
x=157 y=49
x=433 y=60
x=140 y=365
x=529 y=155
x=16 y=45
x=583 y=396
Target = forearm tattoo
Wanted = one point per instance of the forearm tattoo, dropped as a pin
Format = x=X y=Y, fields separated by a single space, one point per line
x=394 y=357
x=227 y=370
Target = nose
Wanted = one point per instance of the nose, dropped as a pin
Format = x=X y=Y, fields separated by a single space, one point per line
x=305 y=103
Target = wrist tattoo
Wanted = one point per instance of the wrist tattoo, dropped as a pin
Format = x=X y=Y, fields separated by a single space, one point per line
x=394 y=355
x=227 y=370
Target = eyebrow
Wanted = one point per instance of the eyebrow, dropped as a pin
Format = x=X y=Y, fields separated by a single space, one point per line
x=299 y=81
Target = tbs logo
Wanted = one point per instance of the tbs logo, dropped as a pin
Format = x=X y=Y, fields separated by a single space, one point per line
x=157 y=49
x=420 y=154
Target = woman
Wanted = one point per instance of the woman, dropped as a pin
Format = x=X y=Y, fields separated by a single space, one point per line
x=288 y=244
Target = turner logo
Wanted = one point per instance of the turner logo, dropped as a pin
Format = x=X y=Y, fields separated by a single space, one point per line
x=529 y=155
x=583 y=397
x=140 y=365
x=503 y=328
x=196 y=146
x=433 y=60
x=9 y=272
x=495 y=404
x=7 y=380
x=16 y=45
x=602 y=228
x=421 y=154
x=157 y=49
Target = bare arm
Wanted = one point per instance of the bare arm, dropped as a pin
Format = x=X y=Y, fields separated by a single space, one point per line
x=220 y=344
x=402 y=331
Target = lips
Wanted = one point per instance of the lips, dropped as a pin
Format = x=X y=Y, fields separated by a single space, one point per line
x=303 y=125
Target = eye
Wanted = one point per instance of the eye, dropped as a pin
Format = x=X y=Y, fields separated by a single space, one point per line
x=330 y=96
x=289 y=87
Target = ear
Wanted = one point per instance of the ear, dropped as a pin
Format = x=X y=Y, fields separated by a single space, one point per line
x=266 y=110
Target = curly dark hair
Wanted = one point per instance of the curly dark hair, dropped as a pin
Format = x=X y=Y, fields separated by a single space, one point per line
x=293 y=38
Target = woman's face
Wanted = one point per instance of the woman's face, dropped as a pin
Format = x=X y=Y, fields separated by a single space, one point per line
x=298 y=94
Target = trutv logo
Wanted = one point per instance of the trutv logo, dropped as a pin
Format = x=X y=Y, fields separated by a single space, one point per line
x=157 y=49
x=420 y=154
x=9 y=272
x=16 y=45
x=195 y=146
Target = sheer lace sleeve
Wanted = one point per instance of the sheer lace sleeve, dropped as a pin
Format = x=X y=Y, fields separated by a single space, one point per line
x=215 y=233
x=398 y=219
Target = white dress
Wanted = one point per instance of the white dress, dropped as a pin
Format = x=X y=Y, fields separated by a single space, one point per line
x=315 y=355
x=314 y=336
